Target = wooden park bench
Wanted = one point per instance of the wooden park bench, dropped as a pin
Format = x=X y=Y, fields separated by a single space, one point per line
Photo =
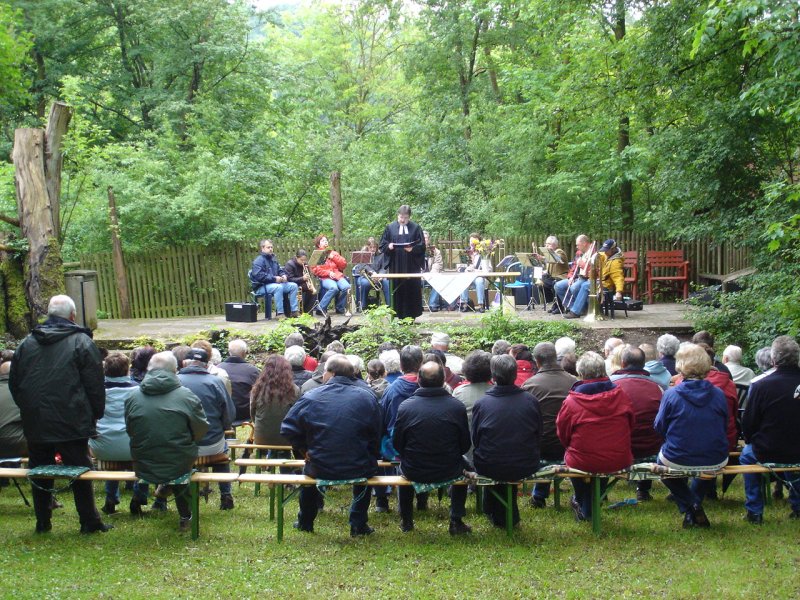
x=666 y=267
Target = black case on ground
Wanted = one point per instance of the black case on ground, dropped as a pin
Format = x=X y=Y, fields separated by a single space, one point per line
x=241 y=312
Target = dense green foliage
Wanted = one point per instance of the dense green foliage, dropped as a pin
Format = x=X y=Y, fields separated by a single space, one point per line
x=213 y=122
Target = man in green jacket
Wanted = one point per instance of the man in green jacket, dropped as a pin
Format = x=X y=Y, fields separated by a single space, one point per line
x=165 y=421
x=56 y=380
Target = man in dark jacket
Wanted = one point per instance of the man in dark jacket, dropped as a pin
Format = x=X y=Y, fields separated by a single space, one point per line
x=164 y=422
x=506 y=428
x=549 y=386
x=645 y=396
x=337 y=428
x=431 y=435
x=56 y=380
x=269 y=277
x=770 y=425
x=242 y=375
x=219 y=410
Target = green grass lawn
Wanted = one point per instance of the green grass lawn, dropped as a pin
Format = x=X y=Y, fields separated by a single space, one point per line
x=642 y=552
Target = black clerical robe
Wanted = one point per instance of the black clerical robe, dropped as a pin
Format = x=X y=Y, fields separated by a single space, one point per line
x=407 y=294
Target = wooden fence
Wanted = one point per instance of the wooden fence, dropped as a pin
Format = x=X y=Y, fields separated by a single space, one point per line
x=194 y=281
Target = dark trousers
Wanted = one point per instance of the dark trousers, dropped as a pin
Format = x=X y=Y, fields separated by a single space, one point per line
x=583 y=493
x=310 y=498
x=458 y=501
x=495 y=509
x=75 y=454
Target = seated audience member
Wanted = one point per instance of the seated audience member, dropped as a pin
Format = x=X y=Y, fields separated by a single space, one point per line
x=441 y=341
x=693 y=420
x=112 y=443
x=269 y=277
x=140 y=358
x=164 y=421
x=525 y=365
x=242 y=376
x=296 y=339
x=273 y=394
x=506 y=432
x=667 y=345
x=594 y=426
x=658 y=372
x=764 y=364
x=391 y=361
x=12 y=438
x=707 y=338
x=431 y=436
x=219 y=410
x=478 y=379
x=336 y=427
x=550 y=387
x=770 y=425
x=500 y=347
x=732 y=358
x=376 y=377
x=564 y=345
x=297 y=358
x=645 y=396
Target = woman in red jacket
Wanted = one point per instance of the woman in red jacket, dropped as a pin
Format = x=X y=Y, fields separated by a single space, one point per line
x=331 y=277
x=594 y=425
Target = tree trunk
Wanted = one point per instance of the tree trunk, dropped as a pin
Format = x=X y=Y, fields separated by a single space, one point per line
x=57 y=124
x=43 y=271
x=336 y=207
x=119 y=260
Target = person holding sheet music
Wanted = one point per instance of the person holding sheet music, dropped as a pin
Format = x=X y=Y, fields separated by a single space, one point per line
x=330 y=272
x=404 y=247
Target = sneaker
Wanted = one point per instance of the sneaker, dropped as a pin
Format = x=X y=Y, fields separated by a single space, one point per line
x=361 y=530
x=754 y=518
x=99 y=526
x=109 y=508
x=700 y=518
x=43 y=526
x=643 y=496
x=576 y=509
x=297 y=526
x=185 y=524
x=407 y=525
x=226 y=502
x=538 y=502
x=458 y=527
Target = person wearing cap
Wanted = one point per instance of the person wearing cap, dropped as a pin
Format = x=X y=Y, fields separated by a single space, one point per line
x=269 y=277
x=612 y=278
x=219 y=409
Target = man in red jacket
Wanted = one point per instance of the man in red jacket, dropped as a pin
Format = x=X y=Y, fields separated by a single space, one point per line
x=645 y=396
x=594 y=425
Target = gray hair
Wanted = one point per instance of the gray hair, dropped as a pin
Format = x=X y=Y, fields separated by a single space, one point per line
x=544 y=353
x=764 y=358
x=504 y=369
x=390 y=360
x=163 y=360
x=237 y=347
x=785 y=352
x=733 y=353
x=61 y=306
x=565 y=345
x=295 y=355
x=591 y=366
x=667 y=344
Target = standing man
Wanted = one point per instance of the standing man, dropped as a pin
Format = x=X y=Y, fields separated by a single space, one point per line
x=56 y=380
x=296 y=273
x=403 y=244
x=336 y=427
x=269 y=277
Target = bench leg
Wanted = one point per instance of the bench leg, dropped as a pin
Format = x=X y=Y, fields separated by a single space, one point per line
x=194 y=488
x=596 y=497
x=280 y=512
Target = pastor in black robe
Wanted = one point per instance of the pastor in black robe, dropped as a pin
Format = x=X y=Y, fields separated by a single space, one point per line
x=407 y=293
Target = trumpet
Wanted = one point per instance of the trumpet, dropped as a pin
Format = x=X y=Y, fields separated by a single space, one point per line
x=309 y=280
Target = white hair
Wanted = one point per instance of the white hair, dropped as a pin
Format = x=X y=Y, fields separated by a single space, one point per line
x=390 y=360
x=163 y=360
x=296 y=355
x=565 y=345
x=237 y=347
x=733 y=353
x=61 y=306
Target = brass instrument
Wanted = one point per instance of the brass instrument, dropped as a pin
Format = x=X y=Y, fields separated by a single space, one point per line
x=310 y=280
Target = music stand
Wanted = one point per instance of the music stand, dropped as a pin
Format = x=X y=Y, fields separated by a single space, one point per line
x=360 y=257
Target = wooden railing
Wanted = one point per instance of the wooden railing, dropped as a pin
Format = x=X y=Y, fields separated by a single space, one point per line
x=194 y=281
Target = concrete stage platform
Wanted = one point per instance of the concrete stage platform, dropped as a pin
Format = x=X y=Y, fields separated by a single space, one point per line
x=665 y=318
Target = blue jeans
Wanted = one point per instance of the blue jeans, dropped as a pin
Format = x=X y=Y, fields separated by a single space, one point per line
x=334 y=288
x=480 y=291
x=754 y=501
x=277 y=290
x=580 y=296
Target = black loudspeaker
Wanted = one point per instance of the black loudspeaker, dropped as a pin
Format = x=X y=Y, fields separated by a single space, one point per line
x=241 y=312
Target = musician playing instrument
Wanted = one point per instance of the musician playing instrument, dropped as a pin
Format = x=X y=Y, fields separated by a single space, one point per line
x=331 y=276
x=268 y=277
x=297 y=272
x=362 y=272
x=563 y=288
x=404 y=247
x=609 y=264
x=433 y=264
